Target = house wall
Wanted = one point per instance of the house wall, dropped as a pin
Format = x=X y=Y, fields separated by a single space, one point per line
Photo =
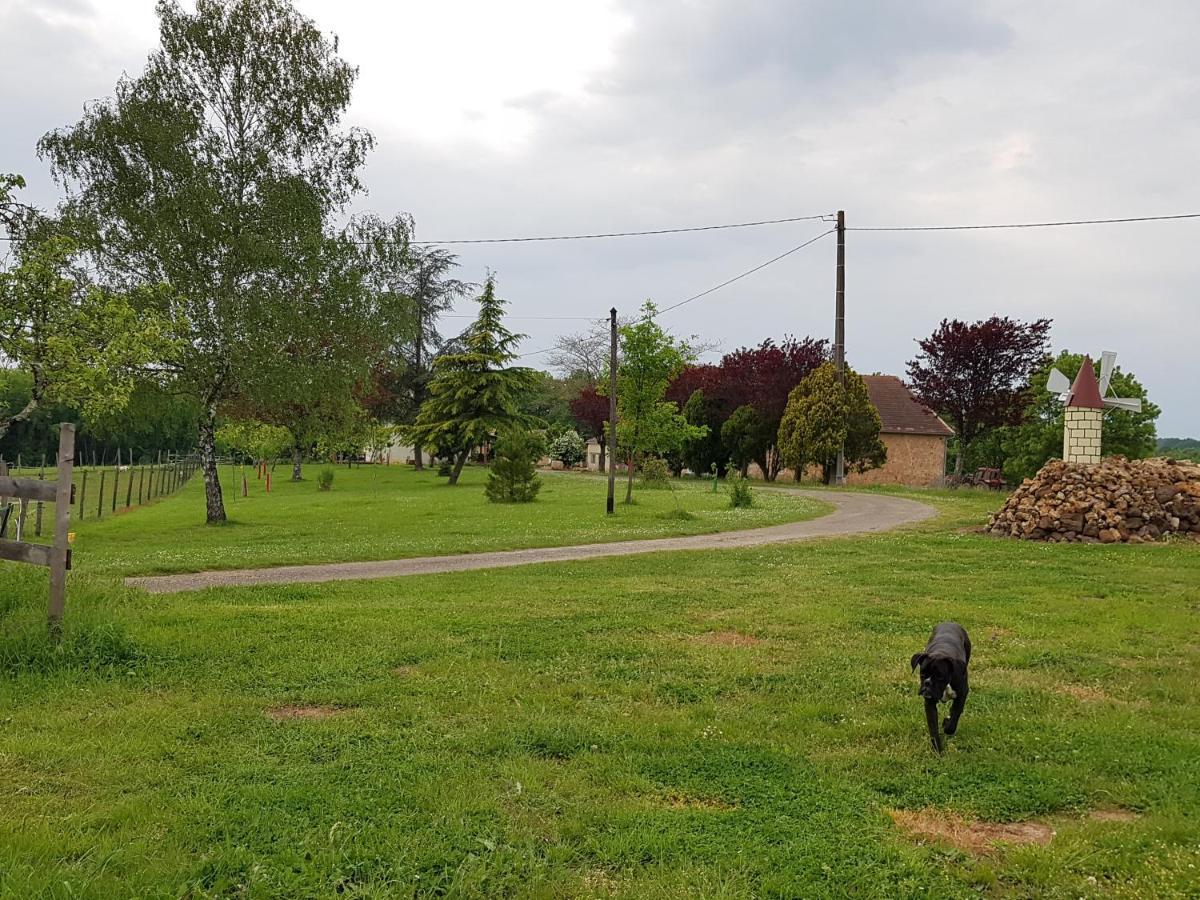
x=916 y=460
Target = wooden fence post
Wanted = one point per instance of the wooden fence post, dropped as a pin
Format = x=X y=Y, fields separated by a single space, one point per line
x=82 y=493
x=60 y=551
x=129 y=487
x=141 y=481
x=116 y=481
x=100 y=504
x=37 y=519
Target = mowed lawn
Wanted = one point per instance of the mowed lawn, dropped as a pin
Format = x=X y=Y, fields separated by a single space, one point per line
x=721 y=724
x=380 y=512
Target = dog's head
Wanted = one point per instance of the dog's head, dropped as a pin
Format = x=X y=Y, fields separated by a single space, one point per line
x=936 y=672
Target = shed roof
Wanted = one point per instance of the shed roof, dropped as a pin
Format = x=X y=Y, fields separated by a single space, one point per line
x=899 y=411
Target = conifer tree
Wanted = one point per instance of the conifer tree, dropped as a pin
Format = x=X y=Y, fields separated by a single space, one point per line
x=473 y=396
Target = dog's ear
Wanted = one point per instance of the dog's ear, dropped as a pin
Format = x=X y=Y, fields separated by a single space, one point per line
x=917 y=659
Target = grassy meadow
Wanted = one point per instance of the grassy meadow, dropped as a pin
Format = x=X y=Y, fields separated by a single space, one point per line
x=381 y=512
x=717 y=724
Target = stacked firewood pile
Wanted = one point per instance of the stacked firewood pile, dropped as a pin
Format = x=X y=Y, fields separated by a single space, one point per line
x=1113 y=500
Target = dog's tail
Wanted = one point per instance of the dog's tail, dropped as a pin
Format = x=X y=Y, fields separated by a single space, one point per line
x=931 y=719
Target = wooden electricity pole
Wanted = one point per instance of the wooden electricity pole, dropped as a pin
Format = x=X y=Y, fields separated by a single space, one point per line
x=60 y=550
x=612 y=407
x=839 y=330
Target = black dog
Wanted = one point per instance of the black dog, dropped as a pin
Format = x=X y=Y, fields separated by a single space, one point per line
x=944 y=676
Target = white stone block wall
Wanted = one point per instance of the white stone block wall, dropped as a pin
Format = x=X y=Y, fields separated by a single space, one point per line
x=1081 y=434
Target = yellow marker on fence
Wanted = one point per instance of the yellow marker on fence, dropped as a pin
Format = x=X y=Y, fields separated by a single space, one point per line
x=70 y=537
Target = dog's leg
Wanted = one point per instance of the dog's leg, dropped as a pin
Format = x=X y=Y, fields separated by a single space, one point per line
x=931 y=720
x=956 y=708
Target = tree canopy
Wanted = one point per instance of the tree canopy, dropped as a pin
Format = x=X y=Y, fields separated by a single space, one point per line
x=822 y=417
x=977 y=374
x=648 y=423
x=473 y=395
x=215 y=173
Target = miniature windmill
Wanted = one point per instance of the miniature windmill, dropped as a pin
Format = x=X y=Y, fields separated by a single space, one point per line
x=1085 y=401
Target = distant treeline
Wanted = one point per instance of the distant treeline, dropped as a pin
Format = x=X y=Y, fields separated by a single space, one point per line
x=152 y=422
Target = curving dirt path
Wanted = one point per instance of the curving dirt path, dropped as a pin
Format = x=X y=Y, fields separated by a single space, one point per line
x=852 y=514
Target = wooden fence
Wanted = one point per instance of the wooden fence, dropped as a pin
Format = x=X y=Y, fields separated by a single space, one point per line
x=105 y=490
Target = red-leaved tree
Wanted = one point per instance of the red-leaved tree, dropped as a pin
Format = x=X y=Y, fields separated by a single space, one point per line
x=590 y=410
x=763 y=377
x=977 y=374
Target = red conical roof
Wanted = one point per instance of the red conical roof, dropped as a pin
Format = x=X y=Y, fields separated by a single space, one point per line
x=1085 y=391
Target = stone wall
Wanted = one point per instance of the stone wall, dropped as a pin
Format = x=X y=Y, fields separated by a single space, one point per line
x=1081 y=434
x=916 y=460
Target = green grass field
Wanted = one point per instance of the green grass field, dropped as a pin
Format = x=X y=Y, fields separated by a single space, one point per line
x=378 y=512
x=725 y=724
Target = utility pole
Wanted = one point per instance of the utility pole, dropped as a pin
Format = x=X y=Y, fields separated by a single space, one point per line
x=612 y=407
x=839 y=330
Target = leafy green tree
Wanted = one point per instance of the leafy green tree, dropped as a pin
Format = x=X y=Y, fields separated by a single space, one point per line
x=568 y=448
x=747 y=438
x=217 y=172
x=257 y=441
x=648 y=424
x=79 y=344
x=1028 y=446
x=513 y=477
x=700 y=454
x=822 y=417
x=473 y=396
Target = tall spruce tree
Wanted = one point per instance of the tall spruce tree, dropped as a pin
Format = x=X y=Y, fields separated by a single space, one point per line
x=822 y=416
x=473 y=396
x=216 y=172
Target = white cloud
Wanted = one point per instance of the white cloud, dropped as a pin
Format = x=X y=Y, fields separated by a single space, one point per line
x=540 y=117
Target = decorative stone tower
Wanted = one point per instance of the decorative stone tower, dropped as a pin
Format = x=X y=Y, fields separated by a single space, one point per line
x=1084 y=417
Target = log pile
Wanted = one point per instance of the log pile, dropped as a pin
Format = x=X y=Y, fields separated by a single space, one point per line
x=1114 y=500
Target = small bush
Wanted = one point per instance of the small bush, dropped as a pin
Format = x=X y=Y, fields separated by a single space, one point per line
x=445 y=470
x=740 y=494
x=676 y=515
x=514 y=478
x=325 y=479
x=655 y=473
x=568 y=448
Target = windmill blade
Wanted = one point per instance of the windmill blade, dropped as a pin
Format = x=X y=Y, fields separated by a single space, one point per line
x=1058 y=383
x=1107 y=359
x=1131 y=404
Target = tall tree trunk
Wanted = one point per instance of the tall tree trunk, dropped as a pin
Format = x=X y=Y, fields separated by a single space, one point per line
x=297 y=462
x=629 y=481
x=7 y=423
x=214 y=503
x=602 y=460
x=958 y=460
x=458 y=466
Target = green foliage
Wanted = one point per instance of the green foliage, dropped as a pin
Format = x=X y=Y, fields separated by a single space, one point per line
x=218 y=171
x=473 y=395
x=656 y=474
x=740 y=494
x=253 y=440
x=513 y=477
x=78 y=344
x=568 y=448
x=325 y=479
x=445 y=470
x=646 y=422
x=701 y=453
x=747 y=437
x=1027 y=447
x=822 y=416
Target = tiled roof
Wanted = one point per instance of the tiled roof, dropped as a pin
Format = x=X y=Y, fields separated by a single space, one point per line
x=899 y=410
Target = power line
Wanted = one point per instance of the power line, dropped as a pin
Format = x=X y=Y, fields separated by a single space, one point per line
x=540 y=318
x=715 y=287
x=616 y=234
x=1024 y=224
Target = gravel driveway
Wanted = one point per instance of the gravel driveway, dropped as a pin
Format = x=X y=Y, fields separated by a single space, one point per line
x=853 y=514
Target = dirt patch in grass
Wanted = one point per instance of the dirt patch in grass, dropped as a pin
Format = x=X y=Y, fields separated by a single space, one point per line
x=1113 y=814
x=1086 y=693
x=977 y=838
x=678 y=800
x=299 y=711
x=729 y=639
x=403 y=671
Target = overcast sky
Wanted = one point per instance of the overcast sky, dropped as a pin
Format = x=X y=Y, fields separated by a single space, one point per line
x=525 y=118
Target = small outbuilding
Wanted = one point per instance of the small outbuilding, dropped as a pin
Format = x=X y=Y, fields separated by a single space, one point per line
x=915 y=437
